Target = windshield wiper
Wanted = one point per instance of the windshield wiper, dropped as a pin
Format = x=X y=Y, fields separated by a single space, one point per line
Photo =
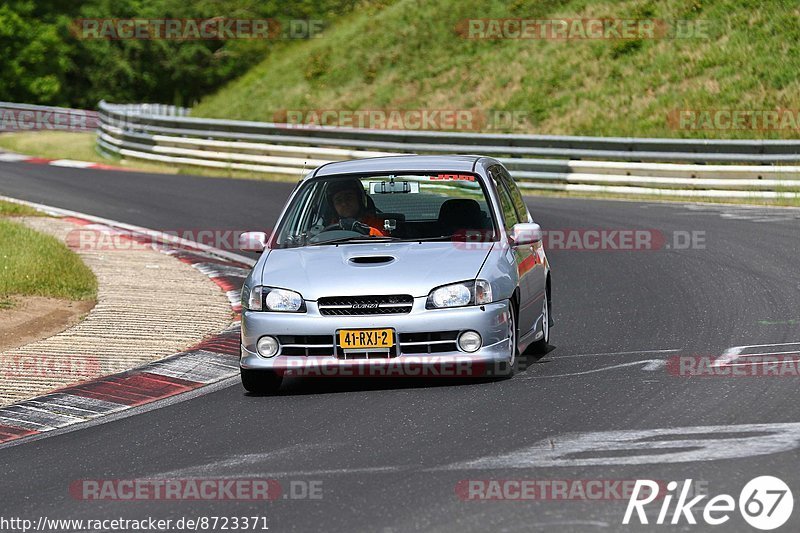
x=428 y=239
x=360 y=238
x=450 y=237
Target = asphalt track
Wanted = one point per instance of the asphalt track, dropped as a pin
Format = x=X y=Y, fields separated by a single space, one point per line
x=390 y=453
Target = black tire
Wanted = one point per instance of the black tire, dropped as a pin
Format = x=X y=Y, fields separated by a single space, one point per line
x=505 y=369
x=261 y=381
x=540 y=347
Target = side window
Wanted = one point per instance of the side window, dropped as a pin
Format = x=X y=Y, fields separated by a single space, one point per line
x=510 y=216
x=516 y=196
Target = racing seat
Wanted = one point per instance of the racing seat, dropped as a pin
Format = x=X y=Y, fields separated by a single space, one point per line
x=461 y=215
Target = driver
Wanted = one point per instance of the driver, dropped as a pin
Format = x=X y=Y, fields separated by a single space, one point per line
x=349 y=201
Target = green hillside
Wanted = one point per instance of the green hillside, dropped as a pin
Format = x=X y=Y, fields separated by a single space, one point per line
x=410 y=54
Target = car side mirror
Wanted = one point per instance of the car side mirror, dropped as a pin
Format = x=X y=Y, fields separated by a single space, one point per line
x=525 y=233
x=253 y=241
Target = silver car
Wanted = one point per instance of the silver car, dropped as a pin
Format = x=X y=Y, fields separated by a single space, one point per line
x=396 y=266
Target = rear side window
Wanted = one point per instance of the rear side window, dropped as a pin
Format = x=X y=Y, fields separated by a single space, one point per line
x=513 y=191
x=510 y=215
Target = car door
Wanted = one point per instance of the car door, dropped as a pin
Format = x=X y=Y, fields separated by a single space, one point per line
x=537 y=276
x=524 y=256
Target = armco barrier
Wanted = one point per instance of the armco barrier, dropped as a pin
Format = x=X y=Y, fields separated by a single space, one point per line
x=675 y=167
x=24 y=117
x=628 y=166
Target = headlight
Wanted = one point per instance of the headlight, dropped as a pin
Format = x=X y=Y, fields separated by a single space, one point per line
x=283 y=300
x=271 y=299
x=475 y=292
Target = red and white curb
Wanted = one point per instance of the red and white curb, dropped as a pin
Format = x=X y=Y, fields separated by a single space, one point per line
x=213 y=360
x=10 y=157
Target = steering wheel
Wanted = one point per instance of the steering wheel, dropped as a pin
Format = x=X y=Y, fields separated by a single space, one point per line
x=331 y=227
x=348 y=224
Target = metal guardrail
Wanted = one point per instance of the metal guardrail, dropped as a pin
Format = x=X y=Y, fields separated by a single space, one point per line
x=628 y=166
x=675 y=167
x=26 y=117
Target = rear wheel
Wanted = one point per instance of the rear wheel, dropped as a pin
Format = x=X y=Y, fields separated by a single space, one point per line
x=261 y=381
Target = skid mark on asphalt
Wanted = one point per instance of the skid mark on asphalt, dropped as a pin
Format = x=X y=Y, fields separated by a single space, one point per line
x=560 y=523
x=233 y=464
x=638 y=352
x=733 y=356
x=309 y=473
x=650 y=365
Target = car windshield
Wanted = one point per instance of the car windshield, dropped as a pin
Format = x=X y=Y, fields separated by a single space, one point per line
x=398 y=207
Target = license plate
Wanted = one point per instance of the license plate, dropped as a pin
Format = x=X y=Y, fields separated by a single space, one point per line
x=366 y=338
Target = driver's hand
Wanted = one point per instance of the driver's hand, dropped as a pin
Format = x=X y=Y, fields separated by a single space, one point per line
x=361 y=228
x=352 y=224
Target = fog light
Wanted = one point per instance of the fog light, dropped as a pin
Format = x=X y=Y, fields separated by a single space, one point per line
x=267 y=346
x=469 y=341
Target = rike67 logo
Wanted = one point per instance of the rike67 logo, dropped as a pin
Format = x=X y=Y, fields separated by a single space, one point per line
x=765 y=502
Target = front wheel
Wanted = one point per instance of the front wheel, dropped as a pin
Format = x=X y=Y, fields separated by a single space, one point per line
x=540 y=346
x=261 y=381
x=506 y=369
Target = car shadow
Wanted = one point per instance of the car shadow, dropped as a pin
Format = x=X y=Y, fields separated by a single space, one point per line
x=303 y=386
x=306 y=386
x=526 y=360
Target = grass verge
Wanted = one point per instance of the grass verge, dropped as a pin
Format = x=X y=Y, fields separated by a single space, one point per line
x=69 y=145
x=81 y=147
x=34 y=264
x=17 y=210
x=382 y=57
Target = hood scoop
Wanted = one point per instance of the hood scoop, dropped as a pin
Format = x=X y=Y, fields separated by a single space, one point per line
x=372 y=260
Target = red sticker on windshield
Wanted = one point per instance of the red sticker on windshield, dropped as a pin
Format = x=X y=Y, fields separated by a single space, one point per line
x=454 y=177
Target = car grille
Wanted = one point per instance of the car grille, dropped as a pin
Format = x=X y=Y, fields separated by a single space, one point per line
x=306 y=345
x=365 y=305
x=429 y=342
x=367 y=354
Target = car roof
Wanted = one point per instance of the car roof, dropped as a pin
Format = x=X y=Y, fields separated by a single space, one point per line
x=398 y=163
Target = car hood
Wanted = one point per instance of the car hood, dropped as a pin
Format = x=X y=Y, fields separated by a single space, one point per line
x=365 y=269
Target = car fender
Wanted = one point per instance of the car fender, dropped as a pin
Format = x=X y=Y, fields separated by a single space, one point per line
x=500 y=270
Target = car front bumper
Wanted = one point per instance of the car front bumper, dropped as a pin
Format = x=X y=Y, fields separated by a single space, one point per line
x=417 y=358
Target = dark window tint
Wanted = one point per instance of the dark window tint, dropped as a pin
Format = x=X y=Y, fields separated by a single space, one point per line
x=516 y=196
x=510 y=215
